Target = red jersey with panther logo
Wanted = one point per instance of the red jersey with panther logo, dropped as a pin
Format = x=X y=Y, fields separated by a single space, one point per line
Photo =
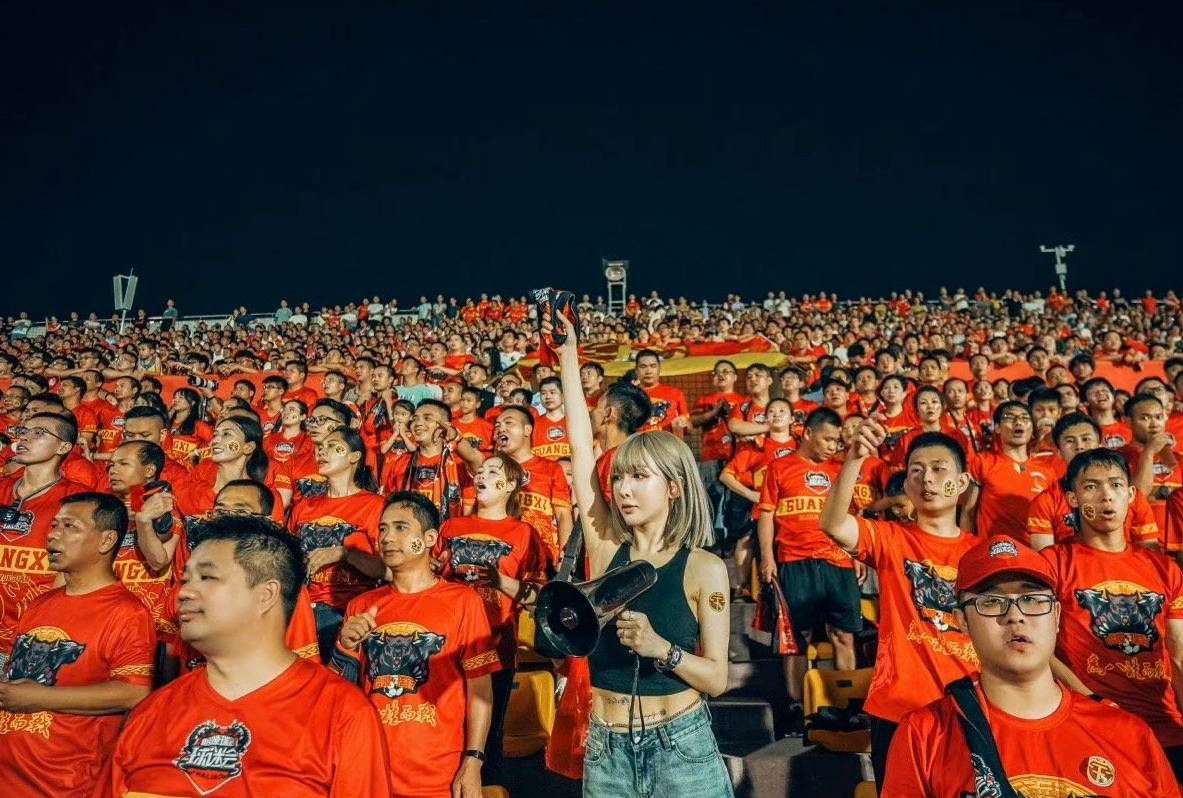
x=717 y=441
x=1050 y=514
x=414 y=666
x=669 y=405
x=24 y=562
x=921 y=647
x=1084 y=748
x=1113 y=628
x=545 y=491
x=305 y=734
x=350 y=521
x=507 y=544
x=794 y=491
x=70 y=641
x=550 y=438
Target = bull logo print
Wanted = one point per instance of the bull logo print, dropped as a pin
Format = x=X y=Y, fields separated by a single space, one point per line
x=1123 y=621
x=425 y=473
x=935 y=596
x=1071 y=521
x=471 y=552
x=40 y=654
x=398 y=657
x=985 y=783
x=213 y=755
x=324 y=532
x=660 y=409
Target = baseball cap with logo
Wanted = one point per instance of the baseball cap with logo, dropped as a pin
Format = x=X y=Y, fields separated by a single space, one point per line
x=1001 y=554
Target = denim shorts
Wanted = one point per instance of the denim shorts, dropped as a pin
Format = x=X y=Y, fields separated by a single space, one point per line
x=678 y=759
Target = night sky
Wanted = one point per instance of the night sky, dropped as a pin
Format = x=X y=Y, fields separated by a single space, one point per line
x=240 y=155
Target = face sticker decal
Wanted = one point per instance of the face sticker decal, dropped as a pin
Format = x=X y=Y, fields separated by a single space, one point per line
x=949 y=488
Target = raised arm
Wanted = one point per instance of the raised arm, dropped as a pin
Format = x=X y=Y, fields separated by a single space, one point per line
x=593 y=511
x=836 y=520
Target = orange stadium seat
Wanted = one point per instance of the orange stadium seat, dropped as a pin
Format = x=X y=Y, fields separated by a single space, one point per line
x=817 y=653
x=829 y=688
x=501 y=792
x=865 y=789
x=531 y=713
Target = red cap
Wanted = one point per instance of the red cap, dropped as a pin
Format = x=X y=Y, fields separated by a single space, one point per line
x=1001 y=554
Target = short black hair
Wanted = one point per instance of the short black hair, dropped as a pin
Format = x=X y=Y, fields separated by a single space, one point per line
x=597 y=368
x=109 y=512
x=427 y=515
x=1132 y=403
x=68 y=426
x=51 y=399
x=1042 y=395
x=266 y=497
x=633 y=406
x=923 y=389
x=929 y=440
x=273 y=379
x=524 y=411
x=758 y=367
x=555 y=381
x=1099 y=456
x=1009 y=404
x=1072 y=420
x=249 y=385
x=436 y=403
x=820 y=417
x=653 y=353
x=149 y=454
x=1093 y=382
x=262 y=548
x=142 y=411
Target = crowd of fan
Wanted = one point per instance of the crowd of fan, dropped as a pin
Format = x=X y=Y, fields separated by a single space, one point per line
x=424 y=418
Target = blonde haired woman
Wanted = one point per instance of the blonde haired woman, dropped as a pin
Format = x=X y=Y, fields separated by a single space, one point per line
x=650 y=730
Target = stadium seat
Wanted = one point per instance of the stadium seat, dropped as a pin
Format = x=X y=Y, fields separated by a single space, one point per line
x=531 y=713
x=828 y=688
x=501 y=792
x=528 y=658
x=818 y=653
x=865 y=789
x=870 y=608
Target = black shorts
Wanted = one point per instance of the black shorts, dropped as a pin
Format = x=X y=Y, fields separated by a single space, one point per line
x=821 y=594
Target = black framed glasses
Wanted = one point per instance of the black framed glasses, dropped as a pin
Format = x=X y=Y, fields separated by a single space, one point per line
x=33 y=432
x=1030 y=604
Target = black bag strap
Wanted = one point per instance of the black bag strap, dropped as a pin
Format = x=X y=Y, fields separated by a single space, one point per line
x=570 y=554
x=989 y=776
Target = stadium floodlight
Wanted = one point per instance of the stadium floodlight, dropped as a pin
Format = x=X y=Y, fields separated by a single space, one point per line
x=1060 y=251
x=124 y=286
x=616 y=273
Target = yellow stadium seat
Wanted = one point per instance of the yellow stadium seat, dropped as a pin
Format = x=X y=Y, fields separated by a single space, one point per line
x=819 y=652
x=531 y=713
x=501 y=792
x=826 y=688
x=526 y=629
x=865 y=789
x=870 y=608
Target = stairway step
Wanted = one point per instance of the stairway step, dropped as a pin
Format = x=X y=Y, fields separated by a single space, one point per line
x=741 y=720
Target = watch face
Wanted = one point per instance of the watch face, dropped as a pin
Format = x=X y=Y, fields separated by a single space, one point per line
x=614 y=272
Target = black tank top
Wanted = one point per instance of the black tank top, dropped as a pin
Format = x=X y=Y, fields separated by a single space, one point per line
x=665 y=605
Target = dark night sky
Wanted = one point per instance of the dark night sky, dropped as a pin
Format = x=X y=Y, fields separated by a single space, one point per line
x=240 y=155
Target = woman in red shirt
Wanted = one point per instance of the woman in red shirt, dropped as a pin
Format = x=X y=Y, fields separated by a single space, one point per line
x=188 y=434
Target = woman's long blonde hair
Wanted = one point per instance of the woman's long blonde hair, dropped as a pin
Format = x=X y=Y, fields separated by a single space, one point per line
x=689 y=524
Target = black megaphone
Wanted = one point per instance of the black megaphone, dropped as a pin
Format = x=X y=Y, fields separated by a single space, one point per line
x=568 y=616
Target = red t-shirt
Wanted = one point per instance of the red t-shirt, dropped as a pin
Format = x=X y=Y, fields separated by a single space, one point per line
x=1167 y=480
x=70 y=641
x=446 y=483
x=24 y=562
x=152 y=589
x=183 y=447
x=1084 y=748
x=1116 y=435
x=306 y=395
x=545 y=492
x=477 y=432
x=1007 y=490
x=921 y=647
x=669 y=405
x=509 y=545
x=794 y=491
x=1113 y=628
x=350 y=521
x=414 y=666
x=717 y=441
x=305 y=734
x=550 y=438
x=604 y=473
x=196 y=494
x=753 y=413
x=1050 y=514
x=110 y=430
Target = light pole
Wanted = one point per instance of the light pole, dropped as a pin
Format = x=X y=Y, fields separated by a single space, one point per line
x=125 y=294
x=1060 y=251
x=616 y=273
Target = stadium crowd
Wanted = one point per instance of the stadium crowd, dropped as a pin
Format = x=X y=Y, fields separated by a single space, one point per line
x=273 y=555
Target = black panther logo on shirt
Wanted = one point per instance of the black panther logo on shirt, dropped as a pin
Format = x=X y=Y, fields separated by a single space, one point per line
x=398 y=660
x=934 y=596
x=40 y=654
x=1124 y=622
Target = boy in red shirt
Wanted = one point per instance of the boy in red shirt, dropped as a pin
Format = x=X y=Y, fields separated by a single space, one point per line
x=670 y=411
x=817 y=576
x=1156 y=465
x=1050 y=519
x=471 y=426
x=922 y=645
x=546 y=496
x=422 y=650
x=1050 y=740
x=749 y=419
x=257 y=720
x=1100 y=398
x=83 y=656
x=550 y=428
x=1122 y=628
x=1007 y=481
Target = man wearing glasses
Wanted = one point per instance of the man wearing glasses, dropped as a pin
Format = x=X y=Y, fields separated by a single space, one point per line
x=28 y=503
x=1050 y=740
x=1122 y=630
x=293 y=475
x=1008 y=480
